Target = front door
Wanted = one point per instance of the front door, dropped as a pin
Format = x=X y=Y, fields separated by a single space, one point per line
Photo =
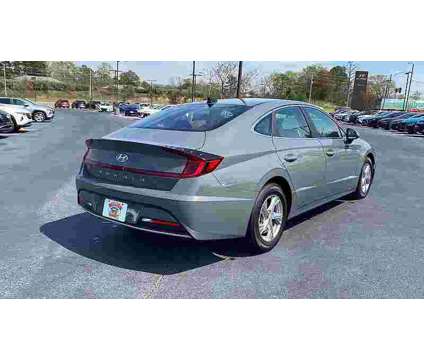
x=300 y=154
x=341 y=159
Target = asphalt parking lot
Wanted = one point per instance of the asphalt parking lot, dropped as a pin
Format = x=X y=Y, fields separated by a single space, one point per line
x=49 y=248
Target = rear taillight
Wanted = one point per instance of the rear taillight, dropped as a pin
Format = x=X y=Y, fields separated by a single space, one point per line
x=198 y=164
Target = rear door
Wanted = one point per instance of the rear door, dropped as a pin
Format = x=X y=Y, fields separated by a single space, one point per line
x=342 y=160
x=300 y=153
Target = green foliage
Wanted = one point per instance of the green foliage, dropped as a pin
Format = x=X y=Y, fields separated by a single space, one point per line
x=328 y=85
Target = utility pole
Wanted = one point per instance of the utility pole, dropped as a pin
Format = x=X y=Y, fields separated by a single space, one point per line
x=240 y=73
x=193 y=81
x=409 y=86
x=4 y=78
x=386 y=92
x=406 y=90
x=91 y=84
x=117 y=81
x=310 y=87
x=151 y=91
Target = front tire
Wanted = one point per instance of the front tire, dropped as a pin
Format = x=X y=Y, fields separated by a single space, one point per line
x=365 y=180
x=268 y=219
x=39 y=116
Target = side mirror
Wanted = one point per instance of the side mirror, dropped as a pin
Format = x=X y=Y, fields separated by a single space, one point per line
x=351 y=134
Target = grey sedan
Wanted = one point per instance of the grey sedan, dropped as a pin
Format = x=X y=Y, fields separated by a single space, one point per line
x=235 y=168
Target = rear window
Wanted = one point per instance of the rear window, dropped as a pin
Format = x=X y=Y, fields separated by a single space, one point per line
x=192 y=117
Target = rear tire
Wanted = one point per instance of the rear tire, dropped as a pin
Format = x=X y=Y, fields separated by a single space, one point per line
x=268 y=219
x=365 y=180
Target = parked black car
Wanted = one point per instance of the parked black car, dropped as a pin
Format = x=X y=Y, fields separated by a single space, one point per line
x=79 y=104
x=386 y=122
x=373 y=121
x=354 y=116
x=6 y=123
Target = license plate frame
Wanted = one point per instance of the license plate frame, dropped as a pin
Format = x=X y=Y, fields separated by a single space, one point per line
x=115 y=209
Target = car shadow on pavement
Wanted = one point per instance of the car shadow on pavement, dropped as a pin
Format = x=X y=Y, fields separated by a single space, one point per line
x=132 y=249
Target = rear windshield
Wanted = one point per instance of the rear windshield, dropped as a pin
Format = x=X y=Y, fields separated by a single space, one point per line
x=192 y=117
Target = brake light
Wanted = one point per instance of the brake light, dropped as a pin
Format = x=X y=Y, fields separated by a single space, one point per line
x=197 y=164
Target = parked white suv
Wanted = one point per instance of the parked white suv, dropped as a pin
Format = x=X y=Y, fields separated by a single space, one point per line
x=38 y=112
x=20 y=115
x=105 y=107
x=149 y=110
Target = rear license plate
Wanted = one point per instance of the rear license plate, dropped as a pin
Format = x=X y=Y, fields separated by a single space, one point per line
x=115 y=210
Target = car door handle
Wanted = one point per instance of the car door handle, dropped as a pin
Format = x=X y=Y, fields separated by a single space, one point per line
x=330 y=152
x=290 y=157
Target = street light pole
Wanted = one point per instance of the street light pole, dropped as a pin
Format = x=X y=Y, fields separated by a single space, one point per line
x=240 y=73
x=4 y=78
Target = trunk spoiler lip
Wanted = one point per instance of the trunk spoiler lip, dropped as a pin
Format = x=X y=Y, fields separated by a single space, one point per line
x=179 y=150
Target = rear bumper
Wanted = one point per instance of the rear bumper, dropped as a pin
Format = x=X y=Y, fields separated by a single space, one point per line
x=200 y=217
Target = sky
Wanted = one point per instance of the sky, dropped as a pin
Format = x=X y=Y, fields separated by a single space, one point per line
x=163 y=71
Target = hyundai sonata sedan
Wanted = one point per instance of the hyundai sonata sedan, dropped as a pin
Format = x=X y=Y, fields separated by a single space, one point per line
x=235 y=168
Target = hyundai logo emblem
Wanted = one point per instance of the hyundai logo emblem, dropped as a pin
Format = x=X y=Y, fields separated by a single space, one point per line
x=122 y=158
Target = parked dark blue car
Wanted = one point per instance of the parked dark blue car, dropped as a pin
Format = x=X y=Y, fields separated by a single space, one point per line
x=129 y=109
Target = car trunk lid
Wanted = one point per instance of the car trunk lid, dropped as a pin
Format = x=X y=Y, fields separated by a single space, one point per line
x=146 y=158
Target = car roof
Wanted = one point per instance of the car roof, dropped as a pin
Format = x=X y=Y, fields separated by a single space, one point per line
x=251 y=102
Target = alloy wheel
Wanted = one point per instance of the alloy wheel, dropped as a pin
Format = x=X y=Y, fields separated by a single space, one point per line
x=366 y=178
x=270 y=218
x=39 y=116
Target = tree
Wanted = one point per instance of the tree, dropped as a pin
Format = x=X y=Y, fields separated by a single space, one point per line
x=223 y=73
x=129 y=78
x=103 y=75
x=377 y=86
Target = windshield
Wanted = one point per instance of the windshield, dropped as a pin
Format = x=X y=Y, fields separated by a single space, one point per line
x=192 y=117
x=29 y=101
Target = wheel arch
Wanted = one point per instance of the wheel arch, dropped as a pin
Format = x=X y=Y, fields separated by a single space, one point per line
x=370 y=155
x=285 y=186
x=282 y=179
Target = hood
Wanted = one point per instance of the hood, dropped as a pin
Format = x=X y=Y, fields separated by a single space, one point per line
x=14 y=108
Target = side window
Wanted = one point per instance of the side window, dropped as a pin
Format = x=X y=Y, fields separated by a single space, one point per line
x=264 y=126
x=324 y=125
x=4 y=101
x=290 y=123
x=18 y=102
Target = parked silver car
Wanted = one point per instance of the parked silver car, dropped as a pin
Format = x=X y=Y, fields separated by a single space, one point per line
x=39 y=112
x=225 y=169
